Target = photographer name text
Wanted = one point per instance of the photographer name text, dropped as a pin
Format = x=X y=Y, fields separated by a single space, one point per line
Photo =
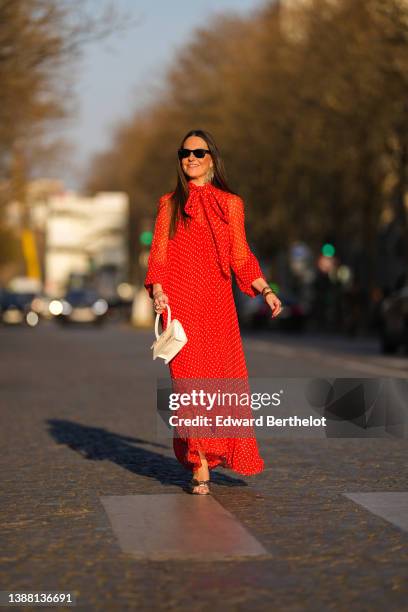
x=227 y=421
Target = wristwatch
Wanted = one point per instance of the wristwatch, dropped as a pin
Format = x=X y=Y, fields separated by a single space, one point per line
x=266 y=290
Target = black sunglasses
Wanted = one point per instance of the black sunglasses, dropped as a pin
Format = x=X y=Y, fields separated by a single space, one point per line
x=199 y=153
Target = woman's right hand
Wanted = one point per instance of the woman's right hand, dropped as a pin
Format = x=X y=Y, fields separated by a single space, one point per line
x=160 y=300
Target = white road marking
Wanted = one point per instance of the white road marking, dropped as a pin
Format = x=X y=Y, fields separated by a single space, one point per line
x=178 y=526
x=390 y=505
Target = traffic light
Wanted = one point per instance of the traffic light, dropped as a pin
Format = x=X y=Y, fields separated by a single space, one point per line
x=328 y=250
x=146 y=238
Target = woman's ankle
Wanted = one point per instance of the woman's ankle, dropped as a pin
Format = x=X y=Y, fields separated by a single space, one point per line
x=201 y=474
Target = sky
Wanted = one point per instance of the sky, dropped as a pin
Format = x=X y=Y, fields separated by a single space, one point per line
x=114 y=75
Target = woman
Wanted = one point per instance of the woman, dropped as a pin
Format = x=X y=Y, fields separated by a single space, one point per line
x=199 y=236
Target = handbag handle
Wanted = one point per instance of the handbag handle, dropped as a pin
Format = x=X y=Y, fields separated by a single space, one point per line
x=156 y=323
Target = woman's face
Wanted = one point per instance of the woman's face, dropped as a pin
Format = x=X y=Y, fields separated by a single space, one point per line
x=194 y=167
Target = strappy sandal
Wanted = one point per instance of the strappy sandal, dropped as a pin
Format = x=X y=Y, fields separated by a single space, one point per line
x=196 y=483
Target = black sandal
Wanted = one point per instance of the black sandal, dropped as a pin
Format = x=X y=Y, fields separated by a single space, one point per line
x=196 y=483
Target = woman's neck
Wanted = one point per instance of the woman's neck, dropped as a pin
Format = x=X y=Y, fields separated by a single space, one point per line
x=199 y=182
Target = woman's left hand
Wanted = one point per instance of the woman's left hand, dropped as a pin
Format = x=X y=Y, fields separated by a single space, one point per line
x=274 y=303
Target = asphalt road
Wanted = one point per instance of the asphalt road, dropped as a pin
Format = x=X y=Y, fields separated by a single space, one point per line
x=77 y=425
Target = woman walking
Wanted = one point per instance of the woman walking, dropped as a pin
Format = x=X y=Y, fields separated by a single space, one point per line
x=199 y=235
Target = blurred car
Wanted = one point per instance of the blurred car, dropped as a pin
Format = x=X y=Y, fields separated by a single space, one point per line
x=41 y=305
x=80 y=306
x=394 y=321
x=256 y=314
x=16 y=308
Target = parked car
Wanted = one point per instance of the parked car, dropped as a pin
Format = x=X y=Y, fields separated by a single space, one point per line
x=41 y=305
x=16 y=308
x=80 y=306
x=394 y=321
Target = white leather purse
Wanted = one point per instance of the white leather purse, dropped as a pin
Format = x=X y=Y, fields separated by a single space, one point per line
x=170 y=341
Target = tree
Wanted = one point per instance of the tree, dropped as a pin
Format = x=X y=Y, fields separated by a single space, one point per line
x=313 y=126
x=40 y=41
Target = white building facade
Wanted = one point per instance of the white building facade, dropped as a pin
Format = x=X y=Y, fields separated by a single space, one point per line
x=86 y=235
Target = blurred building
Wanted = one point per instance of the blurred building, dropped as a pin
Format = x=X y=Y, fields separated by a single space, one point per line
x=87 y=237
x=38 y=192
x=31 y=214
x=74 y=237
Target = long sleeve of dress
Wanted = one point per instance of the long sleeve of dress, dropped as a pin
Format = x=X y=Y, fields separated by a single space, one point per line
x=157 y=262
x=243 y=262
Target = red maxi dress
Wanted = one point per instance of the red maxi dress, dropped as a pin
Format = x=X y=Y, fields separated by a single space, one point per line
x=194 y=269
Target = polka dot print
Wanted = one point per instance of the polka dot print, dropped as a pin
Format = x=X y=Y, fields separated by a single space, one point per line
x=194 y=268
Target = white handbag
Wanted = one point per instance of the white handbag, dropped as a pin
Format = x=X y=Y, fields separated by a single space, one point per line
x=170 y=341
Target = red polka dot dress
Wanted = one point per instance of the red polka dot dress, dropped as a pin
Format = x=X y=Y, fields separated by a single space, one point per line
x=194 y=269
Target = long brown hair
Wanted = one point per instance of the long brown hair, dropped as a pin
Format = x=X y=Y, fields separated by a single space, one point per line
x=181 y=191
